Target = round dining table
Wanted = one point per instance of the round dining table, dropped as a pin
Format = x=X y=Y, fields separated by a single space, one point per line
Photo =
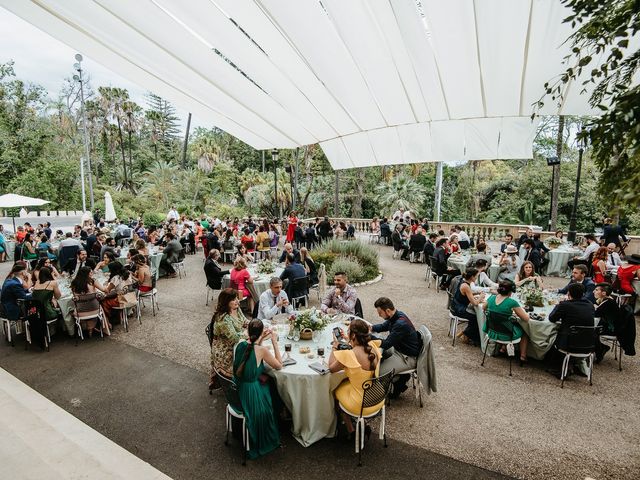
x=65 y=302
x=260 y=280
x=307 y=394
x=558 y=260
x=460 y=260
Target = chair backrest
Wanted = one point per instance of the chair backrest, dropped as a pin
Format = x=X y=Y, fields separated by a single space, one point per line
x=500 y=323
x=375 y=390
x=67 y=253
x=230 y=390
x=299 y=287
x=87 y=305
x=453 y=286
x=581 y=339
x=358 y=309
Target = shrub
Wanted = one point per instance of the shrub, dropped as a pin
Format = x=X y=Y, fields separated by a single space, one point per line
x=348 y=266
x=153 y=218
x=345 y=254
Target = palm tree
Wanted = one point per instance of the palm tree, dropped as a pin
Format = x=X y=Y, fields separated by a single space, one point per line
x=112 y=100
x=160 y=180
x=208 y=152
x=401 y=192
x=131 y=125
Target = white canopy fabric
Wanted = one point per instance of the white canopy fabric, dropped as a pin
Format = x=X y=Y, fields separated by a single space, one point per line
x=373 y=81
x=13 y=200
x=109 y=211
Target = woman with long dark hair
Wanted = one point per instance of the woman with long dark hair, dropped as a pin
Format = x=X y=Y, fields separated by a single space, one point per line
x=83 y=284
x=360 y=363
x=462 y=303
x=118 y=281
x=227 y=329
x=527 y=274
x=15 y=287
x=45 y=290
x=599 y=264
x=257 y=405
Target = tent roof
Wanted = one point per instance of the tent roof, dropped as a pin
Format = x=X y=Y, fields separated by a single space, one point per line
x=12 y=200
x=375 y=82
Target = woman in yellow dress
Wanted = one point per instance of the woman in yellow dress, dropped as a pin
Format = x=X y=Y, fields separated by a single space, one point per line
x=361 y=363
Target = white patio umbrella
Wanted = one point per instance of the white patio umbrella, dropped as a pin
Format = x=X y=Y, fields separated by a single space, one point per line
x=12 y=200
x=109 y=211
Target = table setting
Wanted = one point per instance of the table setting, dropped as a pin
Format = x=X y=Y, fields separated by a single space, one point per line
x=65 y=302
x=304 y=383
x=261 y=273
x=558 y=259
x=459 y=261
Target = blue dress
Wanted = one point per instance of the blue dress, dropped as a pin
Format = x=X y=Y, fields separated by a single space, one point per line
x=256 y=404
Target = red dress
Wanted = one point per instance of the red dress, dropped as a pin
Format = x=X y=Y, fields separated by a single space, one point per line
x=291 y=229
x=598 y=276
x=626 y=275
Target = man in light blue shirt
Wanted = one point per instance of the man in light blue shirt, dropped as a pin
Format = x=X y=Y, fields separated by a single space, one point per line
x=273 y=301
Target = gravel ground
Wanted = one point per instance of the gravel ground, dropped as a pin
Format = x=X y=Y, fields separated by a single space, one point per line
x=524 y=426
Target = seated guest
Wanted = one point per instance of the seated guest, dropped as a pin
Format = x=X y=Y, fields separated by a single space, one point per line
x=15 y=287
x=528 y=275
x=579 y=275
x=130 y=264
x=213 y=240
x=509 y=264
x=628 y=273
x=454 y=243
x=461 y=306
x=45 y=291
x=483 y=279
x=20 y=234
x=97 y=245
x=44 y=262
x=440 y=255
x=399 y=243
x=527 y=235
x=142 y=273
x=74 y=264
x=293 y=270
x=255 y=396
x=117 y=284
x=248 y=241
x=141 y=246
x=92 y=236
x=463 y=238
x=585 y=257
x=122 y=231
x=240 y=279
x=45 y=246
x=599 y=265
x=341 y=298
x=273 y=301
x=613 y=258
x=374 y=226
x=103 y=265
x=417 y=242
x=171 y=254
x=243 y=253
x=227 y=325
x=508 y=240
x=360 y=363
x=110 y=246
x=482 y=254
x=575 y=311
x=28 y=250
x=608 y=312
x=430 y=246
x=559 y=235
x=263 y=241
x=309 y=266
x=213 y=271
x=504 y=306
x=532 y=254
x=402 y=343
x=84 y=283
x=69 y=241
x=288 y=249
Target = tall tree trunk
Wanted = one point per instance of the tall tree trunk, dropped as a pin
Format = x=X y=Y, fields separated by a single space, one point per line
x=356 y=208
x=124 y=160
x=130 y=159
x=336 y=195
x=155 y=150
x=555 y=188
x=186 y=142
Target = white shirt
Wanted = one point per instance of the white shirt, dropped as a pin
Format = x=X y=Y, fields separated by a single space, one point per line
x=613 y=260
x=267 y=308
x=68 y=242
x=591 y=248
x=173 y=214
x=462 y=236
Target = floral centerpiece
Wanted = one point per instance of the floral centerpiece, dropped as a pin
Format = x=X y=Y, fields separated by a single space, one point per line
x=266 y=267
x=530 y=295
x=553 y=242
x=308 y=321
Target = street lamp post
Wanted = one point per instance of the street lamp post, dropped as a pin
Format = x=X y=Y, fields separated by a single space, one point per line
x=274 y=157
x=78 y=78
x=571 y=234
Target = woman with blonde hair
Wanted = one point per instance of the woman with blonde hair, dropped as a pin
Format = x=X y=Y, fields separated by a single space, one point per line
x=141 y=246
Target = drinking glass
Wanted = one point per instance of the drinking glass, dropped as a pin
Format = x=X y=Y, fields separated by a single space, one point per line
x=296 y=334
x=287 y=349
x=315 y=336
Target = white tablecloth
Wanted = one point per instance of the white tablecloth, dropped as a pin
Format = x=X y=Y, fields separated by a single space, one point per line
x=11 y=248
x=66 y=301
x=460 y=262
x=307 y=394
x=558 y=259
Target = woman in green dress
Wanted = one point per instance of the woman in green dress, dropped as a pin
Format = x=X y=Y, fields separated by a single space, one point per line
x=248 y=364
x=505 y=306
x=45 y=290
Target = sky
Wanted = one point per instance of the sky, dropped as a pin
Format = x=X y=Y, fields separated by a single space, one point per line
x=43 y=60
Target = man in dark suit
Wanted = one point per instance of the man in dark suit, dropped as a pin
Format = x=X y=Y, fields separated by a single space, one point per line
x=417 y=242
x=292 y=271
x=324 y=227
x=213 y=271
x=288 y=249
x=579 y=275
x=310 y=236
x=612 y=233
x=73 y=265
x=385 y=231
x=533 y=254
x=575 y=311
x=430 y=246
x=508 y=240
